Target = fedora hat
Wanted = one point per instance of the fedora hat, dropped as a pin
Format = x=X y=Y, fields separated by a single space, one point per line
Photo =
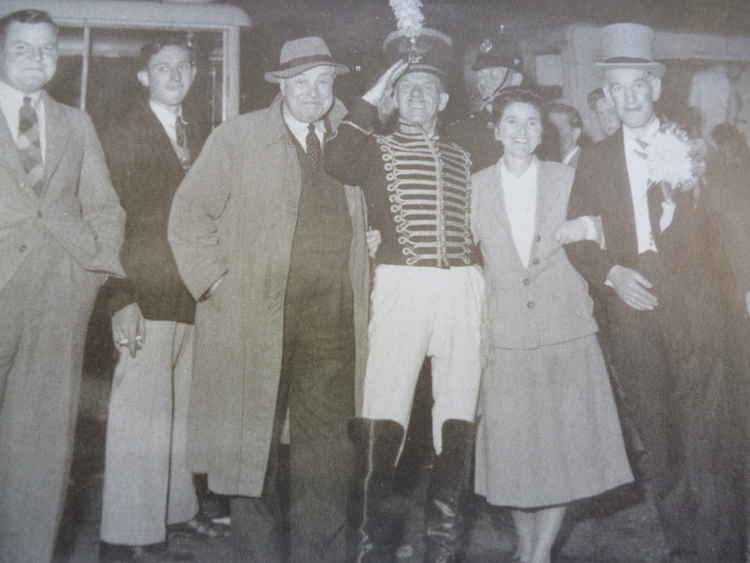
x=431 y=51
x=628 y=45
x=299 y=55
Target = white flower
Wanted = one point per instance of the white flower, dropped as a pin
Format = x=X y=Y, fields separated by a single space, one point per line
x=409 y=17
x=673 y=158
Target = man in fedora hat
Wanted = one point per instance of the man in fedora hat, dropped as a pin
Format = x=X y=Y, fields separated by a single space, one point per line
x=497 y=65
x=427 y=295
x=273 y=248
x=665 y=280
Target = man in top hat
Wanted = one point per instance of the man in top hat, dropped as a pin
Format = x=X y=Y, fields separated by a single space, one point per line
x=427 y=294
x=61 y=228
x=273 y=248
x=666 y=280
x=498 y=65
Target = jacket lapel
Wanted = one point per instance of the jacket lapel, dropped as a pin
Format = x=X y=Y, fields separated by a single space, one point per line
x=9 y=156
x=57 y=134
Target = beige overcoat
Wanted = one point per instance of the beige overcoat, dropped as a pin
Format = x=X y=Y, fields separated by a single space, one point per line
x=236 y=212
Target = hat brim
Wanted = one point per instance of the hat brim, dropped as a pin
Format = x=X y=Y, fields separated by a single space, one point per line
x=276 y=76
x=657 y=69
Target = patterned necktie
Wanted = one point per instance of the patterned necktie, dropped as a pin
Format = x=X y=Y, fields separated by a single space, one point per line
x=181 y=140
x=29 y=145
x=314 y=152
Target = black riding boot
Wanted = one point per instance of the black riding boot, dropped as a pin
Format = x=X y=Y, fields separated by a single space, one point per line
x=445 y=496
x=375 y=513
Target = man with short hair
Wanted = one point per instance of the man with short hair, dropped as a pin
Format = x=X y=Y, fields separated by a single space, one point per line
x=427 y=297
x=569 y=125
x=274 y=249
x=666 y=281
x=61 y=227
x=605 y=111
x=148 y=487
x=498 y=65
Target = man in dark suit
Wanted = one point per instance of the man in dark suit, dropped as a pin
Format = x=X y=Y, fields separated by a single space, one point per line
x=60 y=235
x=662 y=261
x=148 y=487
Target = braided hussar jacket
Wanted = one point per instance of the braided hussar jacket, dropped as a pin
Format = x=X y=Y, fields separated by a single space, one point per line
x=417 y=190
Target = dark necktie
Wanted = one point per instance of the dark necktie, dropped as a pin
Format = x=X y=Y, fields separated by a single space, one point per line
x=314 y=151
x=181 y=140
x=29 y=145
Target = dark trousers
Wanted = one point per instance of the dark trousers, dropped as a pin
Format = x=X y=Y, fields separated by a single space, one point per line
x=317 y=390
x=683 y=409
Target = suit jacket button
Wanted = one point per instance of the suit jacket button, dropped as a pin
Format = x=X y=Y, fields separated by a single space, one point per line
x=535 y=261
x=538 y=238
x=526 y=281
x=39 y=214
x=531 y=304
x=22 y=248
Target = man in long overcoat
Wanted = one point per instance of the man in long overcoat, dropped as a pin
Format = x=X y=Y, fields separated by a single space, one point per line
x=61 y=227
x=274 y=250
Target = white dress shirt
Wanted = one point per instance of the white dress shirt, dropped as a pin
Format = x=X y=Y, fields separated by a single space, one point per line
x=520 y=197
x=11 y=101
x=638 y=175
x=299 y=128
x=167 y=118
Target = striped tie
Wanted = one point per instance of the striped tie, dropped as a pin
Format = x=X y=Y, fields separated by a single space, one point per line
x=29 y=145
x=183 y=150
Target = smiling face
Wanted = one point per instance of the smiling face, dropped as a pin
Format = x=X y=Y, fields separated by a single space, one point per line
x=169 y=75
x=419 y=98
x=633 y=92
x=309 y=95
x=519 y=129
x=28 y=58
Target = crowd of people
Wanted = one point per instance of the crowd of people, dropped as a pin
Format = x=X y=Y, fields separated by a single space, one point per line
x=276 y=286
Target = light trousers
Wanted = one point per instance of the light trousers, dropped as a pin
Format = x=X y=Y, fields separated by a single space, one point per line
x=418 y=312
x=147 y=483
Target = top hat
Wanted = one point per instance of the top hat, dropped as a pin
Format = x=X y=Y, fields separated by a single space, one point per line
x=299 y=55
x=430 y=51
x=628 y=45
x=498 y=52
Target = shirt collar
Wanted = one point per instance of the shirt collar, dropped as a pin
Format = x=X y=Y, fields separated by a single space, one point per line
x=630 y=135
x=13 y=97
x=568 y=157
x=299 y=128
x=528 y=174
x=165 y=117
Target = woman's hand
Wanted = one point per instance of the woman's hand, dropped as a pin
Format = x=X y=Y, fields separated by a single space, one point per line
x=572 y=231
x=374 y=239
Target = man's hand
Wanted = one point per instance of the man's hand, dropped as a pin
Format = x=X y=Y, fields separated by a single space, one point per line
x=374 y=238
x=632 y=288
x=129 y=328
x=382 y=91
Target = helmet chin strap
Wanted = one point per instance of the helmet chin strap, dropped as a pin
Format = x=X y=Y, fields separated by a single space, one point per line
x=491 y=98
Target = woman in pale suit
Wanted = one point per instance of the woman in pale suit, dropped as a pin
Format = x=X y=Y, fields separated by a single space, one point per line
x=549 y=432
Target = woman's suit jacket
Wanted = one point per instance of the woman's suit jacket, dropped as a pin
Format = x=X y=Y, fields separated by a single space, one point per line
x=546 y=302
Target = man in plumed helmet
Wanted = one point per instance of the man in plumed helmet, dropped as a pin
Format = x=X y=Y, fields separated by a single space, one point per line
x=427 y=295
x=498 y=65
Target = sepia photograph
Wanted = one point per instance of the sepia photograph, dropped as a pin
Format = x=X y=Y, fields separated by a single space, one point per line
x=374 y=281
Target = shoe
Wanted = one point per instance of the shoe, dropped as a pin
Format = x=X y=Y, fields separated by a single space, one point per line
x=200 y=527
x=153 y=553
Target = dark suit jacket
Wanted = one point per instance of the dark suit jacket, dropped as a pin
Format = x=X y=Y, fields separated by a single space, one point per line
x=690 y=273
x=146 y=172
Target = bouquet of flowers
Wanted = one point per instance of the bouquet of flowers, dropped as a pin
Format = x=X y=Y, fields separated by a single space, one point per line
x=675 y=159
